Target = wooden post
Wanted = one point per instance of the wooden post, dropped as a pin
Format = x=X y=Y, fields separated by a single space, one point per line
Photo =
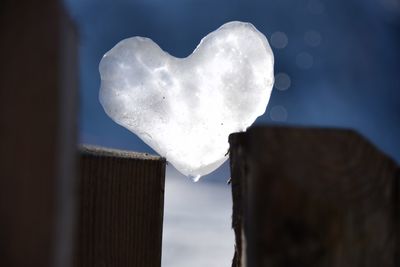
x=313 y=197
x=121 y=203
x=38 y=85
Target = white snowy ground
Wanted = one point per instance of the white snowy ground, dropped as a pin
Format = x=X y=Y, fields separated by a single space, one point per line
x=197 y=223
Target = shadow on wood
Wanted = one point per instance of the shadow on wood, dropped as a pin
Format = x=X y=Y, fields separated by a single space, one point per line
x=38 y=87
x=313 y=197
x=121 y=202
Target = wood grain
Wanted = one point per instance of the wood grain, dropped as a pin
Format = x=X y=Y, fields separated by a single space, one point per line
x=121 y=201
x=313 y=197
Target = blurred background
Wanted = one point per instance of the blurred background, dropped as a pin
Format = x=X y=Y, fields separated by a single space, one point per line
x=337 y=64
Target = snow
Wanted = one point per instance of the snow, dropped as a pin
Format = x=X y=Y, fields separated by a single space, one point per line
x=197 y=223
x=185 y=108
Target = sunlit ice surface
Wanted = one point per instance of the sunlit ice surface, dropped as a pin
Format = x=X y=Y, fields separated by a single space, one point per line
x=185 y=108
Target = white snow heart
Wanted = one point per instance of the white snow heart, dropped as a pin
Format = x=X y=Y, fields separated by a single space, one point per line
x=185 y=108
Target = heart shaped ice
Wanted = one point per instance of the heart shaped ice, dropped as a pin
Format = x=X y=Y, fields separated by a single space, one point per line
x=185 y=108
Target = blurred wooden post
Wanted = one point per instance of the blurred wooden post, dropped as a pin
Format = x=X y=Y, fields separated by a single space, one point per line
x=38 y=86
x=313 y=197
x=121 y=203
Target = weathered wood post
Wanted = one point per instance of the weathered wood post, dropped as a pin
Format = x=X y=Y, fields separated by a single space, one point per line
x=313 y=197
x=121 y=204
x=38 y=88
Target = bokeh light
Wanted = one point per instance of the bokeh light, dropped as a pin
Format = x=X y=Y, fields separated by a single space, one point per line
x=282 y=81
x=312 y=38
x=278 y=113
x=304 y=60
x=279 y=40
x=316 y=7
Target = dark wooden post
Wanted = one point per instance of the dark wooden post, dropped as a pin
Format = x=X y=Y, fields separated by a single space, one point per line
x=121 y=203
x=313 y=197
x=38 y=85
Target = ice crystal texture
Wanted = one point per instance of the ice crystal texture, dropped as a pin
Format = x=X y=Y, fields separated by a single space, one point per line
x=185 y=108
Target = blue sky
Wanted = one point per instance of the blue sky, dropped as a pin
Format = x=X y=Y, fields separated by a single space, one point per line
x=341 y=57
